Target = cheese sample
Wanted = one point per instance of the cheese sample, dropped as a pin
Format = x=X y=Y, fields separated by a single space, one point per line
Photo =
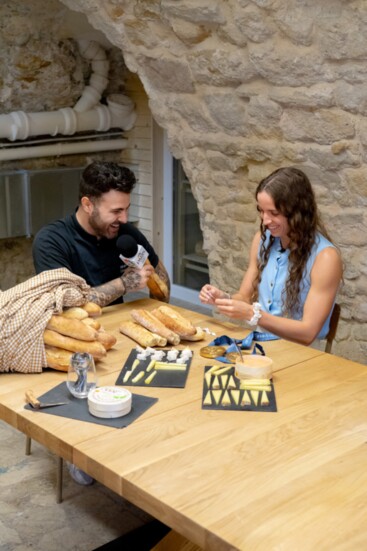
x=235 y=396
x=226 y=400
x=264 y=399
x=150 y=377
x=208 y=399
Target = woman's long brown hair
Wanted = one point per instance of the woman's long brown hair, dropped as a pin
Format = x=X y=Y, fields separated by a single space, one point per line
x=293 y=197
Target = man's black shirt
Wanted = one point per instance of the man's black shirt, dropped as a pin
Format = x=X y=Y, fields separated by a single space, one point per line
x=65 y=244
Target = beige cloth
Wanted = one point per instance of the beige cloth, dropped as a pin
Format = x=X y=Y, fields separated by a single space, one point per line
x=25 y=311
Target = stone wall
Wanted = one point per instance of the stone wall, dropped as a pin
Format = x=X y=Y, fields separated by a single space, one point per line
x=42 y=70
x=243 y=87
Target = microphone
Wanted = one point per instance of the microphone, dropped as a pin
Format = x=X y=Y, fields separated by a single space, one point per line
x=135 y=256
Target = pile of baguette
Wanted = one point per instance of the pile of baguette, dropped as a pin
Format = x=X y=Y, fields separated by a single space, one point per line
x=160 y=326
x=76 y=330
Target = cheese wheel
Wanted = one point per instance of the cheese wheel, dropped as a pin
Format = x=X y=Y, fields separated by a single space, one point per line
x=254 y=366
x=109 y=401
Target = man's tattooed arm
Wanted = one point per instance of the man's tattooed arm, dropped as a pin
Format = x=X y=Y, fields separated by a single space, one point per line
x=131 y=280
x=107 y=293
x=161 y=272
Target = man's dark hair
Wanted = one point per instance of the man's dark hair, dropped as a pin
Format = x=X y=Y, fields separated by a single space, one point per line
x=100 y=177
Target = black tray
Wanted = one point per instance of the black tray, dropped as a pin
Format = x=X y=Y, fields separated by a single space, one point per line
x=234 y=396
x=175 y=379
x=77 y=408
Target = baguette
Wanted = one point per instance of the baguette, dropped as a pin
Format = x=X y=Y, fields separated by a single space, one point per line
x=93 y=309
x=158 y=287
x=75 y=313
x=174 y=321
x=72 y=328
x=52 y=338
x=92 y=322
x=147 y=320
x=139 y=334
x=58 y=358
x=161 y=340
x=106 y=339
x=199 y=335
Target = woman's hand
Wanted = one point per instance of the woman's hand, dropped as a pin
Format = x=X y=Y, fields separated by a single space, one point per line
x=236 y=309
x=209 y=294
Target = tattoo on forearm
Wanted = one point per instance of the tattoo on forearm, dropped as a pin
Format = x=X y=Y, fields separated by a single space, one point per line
x=107 y=293
x=131 y=280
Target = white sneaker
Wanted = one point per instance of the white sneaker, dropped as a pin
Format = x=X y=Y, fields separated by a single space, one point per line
x=79 y=476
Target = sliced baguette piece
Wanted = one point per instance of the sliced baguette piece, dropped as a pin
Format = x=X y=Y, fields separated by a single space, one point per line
x=72 y=328
x=174 y=321
x=139 y=334
x=53 y=338
x=150 y=322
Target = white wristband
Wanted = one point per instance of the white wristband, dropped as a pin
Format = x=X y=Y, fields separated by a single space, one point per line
x=257 y=314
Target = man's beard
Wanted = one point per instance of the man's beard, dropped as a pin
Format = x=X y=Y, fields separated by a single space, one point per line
x=96 y=223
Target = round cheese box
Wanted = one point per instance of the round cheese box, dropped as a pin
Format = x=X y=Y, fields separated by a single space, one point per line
x=109 y=401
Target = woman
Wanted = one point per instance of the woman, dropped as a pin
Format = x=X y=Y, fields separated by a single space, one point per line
x=294 y=271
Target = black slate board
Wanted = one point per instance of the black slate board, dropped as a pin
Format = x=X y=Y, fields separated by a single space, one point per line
x=77 y=408
x=173 y=379
x=223 y=384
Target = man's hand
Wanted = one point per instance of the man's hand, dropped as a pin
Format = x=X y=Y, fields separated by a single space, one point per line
x=135 y=280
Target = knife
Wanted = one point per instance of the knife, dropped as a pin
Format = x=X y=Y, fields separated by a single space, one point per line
x=36 y=404
x=238 y=349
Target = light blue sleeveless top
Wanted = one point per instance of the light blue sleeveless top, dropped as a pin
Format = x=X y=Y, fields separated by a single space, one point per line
x=275 y=274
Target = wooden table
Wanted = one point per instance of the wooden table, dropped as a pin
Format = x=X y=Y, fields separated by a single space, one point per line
x=291 y=480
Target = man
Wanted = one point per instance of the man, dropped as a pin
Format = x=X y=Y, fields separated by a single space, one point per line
x=85 y=241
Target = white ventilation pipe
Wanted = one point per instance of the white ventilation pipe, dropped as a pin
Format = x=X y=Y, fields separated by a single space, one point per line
x=95 y=54
x=61 y=148
x=86 y=115
x=118 y=113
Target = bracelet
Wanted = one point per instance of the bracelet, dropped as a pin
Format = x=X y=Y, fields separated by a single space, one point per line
x=257 y=314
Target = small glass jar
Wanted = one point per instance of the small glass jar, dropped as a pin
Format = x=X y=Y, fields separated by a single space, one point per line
x=82 y=376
